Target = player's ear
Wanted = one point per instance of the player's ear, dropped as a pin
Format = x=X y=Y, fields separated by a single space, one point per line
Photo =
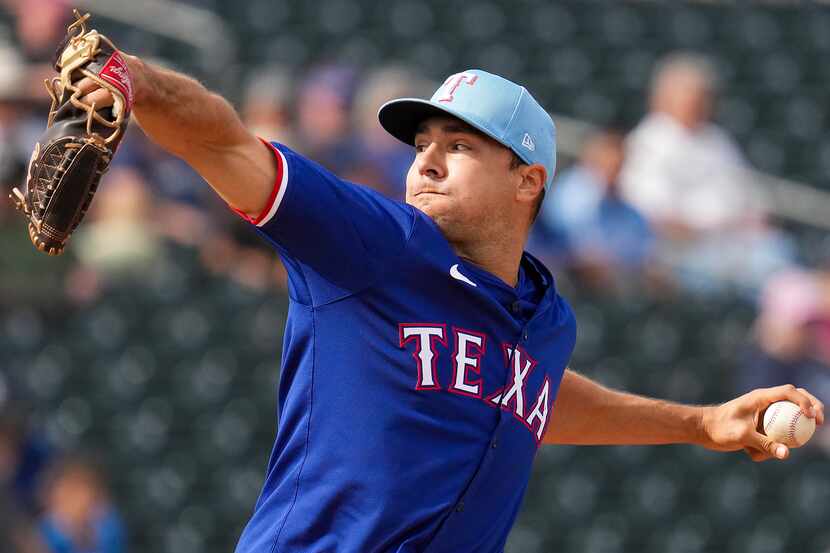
x=532 y=182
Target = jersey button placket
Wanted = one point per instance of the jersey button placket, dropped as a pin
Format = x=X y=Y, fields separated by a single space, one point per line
x=459 y=508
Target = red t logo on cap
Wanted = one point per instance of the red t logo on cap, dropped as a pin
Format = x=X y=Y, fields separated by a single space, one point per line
x=453 y=82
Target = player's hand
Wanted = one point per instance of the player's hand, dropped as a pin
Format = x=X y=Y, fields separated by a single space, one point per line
x=92 y=93
x=735 y=424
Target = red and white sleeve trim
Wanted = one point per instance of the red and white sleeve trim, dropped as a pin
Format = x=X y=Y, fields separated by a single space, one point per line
x=274 y=200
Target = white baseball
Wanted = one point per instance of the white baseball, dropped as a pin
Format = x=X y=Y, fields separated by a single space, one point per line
x=785 y=423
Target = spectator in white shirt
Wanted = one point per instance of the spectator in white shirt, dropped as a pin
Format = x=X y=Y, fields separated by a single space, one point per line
x=689 y=178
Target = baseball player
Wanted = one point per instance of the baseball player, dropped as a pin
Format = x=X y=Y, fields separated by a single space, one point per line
x=425 y=353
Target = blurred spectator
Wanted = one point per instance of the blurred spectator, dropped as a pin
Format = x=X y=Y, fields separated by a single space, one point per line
x=385 y=159
x=790 y=333
x=324 y=130
x=40 y=25
x=78 y=516
x=23 y=457
x=118 y=237
x=266 y=105
x=688 y=177
x=12 y=99
x=682 y=170
x=585 y=225
x=792 y=342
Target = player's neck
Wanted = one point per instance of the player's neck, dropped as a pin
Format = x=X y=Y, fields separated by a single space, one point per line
x=501 y=260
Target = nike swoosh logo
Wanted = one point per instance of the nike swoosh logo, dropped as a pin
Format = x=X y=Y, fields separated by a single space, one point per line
x=456 y=274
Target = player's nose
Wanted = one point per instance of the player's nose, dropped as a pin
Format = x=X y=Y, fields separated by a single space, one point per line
x=430 y=163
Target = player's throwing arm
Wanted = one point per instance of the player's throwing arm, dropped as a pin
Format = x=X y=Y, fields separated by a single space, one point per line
x=587 y=413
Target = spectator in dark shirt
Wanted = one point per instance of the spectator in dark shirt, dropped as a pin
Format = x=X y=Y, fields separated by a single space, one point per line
x=23 y=457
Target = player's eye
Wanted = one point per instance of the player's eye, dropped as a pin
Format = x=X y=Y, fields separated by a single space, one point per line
x=420 y=147
x=460 y=147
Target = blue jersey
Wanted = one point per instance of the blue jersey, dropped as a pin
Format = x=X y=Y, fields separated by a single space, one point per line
x=411 y=401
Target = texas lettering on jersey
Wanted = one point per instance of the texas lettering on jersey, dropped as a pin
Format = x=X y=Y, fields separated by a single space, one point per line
x=468 y=348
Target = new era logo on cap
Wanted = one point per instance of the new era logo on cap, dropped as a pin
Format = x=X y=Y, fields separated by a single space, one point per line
x=501 y=109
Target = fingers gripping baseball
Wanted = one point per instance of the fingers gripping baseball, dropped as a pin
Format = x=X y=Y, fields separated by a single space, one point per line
x=809 y=405
x=817 y=405
x=737 y=424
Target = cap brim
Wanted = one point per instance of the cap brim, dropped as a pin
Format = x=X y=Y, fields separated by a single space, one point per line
x=401 y=118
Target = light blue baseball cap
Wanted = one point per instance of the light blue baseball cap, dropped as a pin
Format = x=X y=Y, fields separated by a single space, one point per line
x=501 y=109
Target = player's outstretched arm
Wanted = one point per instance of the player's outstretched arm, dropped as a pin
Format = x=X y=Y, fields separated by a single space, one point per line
x=587 y=413
x=201 y=127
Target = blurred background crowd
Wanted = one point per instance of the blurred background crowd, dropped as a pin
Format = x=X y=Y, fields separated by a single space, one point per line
x=687 y=224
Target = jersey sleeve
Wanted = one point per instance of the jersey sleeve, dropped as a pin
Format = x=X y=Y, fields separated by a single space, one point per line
x=330 y=229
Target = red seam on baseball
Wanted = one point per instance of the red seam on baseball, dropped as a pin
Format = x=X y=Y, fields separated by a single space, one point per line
x=772 y=418
x=793 y=422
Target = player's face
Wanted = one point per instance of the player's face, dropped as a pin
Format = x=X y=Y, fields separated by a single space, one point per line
x=461 y=178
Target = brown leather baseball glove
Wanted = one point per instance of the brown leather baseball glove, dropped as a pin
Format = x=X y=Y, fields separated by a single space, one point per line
x=80 y=139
